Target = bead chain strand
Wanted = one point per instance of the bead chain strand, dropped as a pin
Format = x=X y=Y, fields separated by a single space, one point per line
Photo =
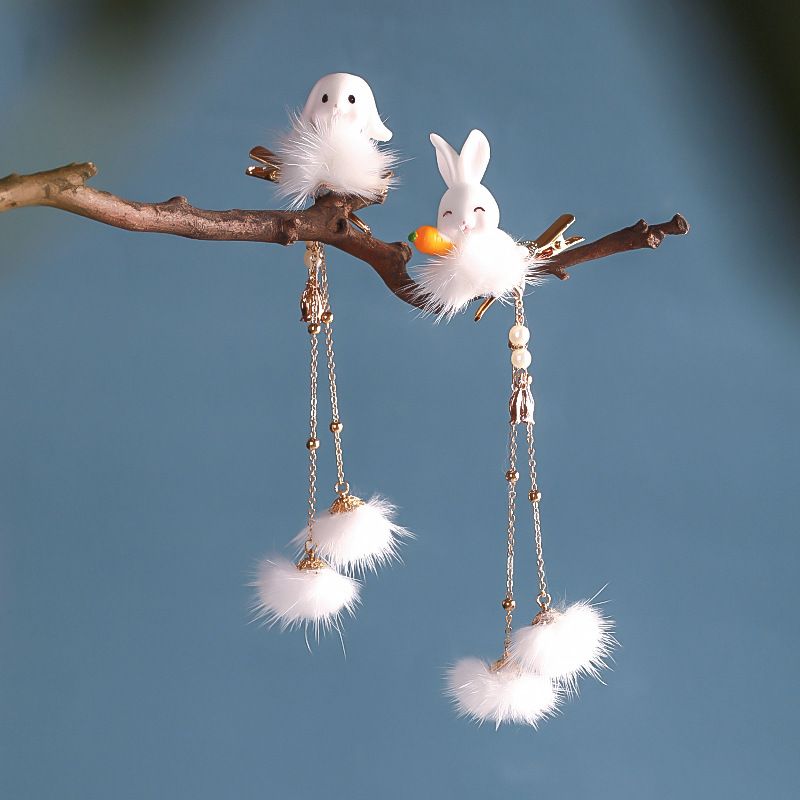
x=342 y=487
x=312 y=443
x=511 y=476
x=535 y=496
x=520 y=375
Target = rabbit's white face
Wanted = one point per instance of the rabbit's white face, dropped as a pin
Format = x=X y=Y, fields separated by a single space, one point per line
x=467 y=208
x=345 y=99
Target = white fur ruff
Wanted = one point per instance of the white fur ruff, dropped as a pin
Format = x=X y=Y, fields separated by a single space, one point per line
x=331 y=155
x=291 y=597
x=505 y=695
x=485 y=263
x=362 y=539
x=576 y=642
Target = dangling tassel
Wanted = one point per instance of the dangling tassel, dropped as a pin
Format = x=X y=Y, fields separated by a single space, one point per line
x=311 y=304
x=541 y=663
x=352 y=534
x=566 y=644
x=504 y=691
x=521 y=404
x=501 y=692
x=308 y=594
x=357 y=536
x=560 y=644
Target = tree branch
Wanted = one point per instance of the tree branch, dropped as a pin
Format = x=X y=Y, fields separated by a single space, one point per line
x=633 y=238
x=327 y=221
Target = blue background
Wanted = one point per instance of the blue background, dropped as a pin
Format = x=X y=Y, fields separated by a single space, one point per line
x=153 y=413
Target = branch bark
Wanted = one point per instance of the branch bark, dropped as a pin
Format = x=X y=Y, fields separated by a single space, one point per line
x=327 y=221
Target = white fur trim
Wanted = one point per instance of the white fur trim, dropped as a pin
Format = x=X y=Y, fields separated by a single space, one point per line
x=362 y=539
x=485 y=263
x=576 y=642
x=291 y=597
x=505 y=695
x=334 y=156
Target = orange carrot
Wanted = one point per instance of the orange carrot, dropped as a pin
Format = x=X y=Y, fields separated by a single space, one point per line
x=430 y=240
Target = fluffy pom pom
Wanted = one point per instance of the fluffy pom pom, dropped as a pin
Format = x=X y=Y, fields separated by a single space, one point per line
x=292 y=597
x=361 y=539
x=483 y=264
x=505 y=694
x=331 y=155
x=566 y=643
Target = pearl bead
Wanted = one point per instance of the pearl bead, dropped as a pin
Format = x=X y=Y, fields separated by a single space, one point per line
x=521 y=359
x=519 y=336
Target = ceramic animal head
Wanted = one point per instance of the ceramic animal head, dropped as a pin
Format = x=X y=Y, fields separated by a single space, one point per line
x=345 y=98
x=467 y=207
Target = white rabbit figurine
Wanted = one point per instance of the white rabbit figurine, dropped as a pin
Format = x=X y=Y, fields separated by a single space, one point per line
x=472 y=256
x=332 y=144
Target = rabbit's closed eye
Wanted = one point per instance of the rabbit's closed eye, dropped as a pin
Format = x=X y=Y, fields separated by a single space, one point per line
x=446 y=213
x=479 y=208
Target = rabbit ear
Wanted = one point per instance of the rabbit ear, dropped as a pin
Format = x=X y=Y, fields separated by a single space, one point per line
x=474 y=157
x=447 y=159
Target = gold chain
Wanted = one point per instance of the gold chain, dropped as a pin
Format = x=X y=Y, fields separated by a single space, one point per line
x=535 y=496
x=311 y=316
x=342 y=488
x=511 y=477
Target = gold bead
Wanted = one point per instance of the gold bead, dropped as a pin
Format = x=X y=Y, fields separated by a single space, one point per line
x=327 y=317
x=312 y=443
x=534 y=495
x=336 y=426
x=314 y=328
x=512 y=476
x=508 y=604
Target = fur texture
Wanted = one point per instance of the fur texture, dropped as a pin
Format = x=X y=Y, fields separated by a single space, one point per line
x=505 y=695
x=362 y=539
x=290 y=597
x=484 y=263
x=577 y=642
x=333 y=155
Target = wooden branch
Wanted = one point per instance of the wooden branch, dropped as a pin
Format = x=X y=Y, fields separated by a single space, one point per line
x=327 y=221
x=633 y=238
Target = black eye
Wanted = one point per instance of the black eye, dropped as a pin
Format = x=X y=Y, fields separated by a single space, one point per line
x=351 y=99
x=446 y=213
x=479 y=208
x=324 y=98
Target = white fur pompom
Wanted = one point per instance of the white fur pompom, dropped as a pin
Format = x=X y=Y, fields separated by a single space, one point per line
x=485 y=263
x=565 y=644
x=361 y=539
x=290 y=597
x=331 y=155
x=505 y=694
